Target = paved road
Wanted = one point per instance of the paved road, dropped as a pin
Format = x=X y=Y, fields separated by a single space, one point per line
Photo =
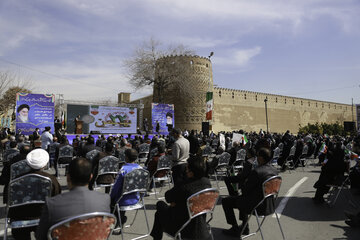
x=300 y=218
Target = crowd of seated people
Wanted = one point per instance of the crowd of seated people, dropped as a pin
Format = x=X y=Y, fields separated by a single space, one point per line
x=185 y=153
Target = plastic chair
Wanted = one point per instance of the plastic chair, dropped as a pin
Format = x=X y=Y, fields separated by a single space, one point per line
x=271 y=188
x=207 y=151
x=276 y=156
x=143 y=152
x=26 y=192
x=163 y=172
x=18 y=169
x=66 y=154
x=239 y=161
x=200 y=203
x=222 y=167
x=289 y=162
x=137 y=181
x=90 y=226
x=91 y=155
x=108 y=165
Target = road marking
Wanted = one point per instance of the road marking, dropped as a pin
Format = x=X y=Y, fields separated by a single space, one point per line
x=287 y=196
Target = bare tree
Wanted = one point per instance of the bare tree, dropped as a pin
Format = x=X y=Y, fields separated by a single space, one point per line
x=142 y=65
x=10 y=84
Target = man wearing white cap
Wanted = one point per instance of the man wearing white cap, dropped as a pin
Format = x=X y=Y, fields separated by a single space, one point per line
x=37 y=159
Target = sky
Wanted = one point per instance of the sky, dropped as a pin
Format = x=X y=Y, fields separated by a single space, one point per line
x=308 y=48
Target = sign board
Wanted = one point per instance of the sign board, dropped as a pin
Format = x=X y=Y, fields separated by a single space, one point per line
x=34 y=111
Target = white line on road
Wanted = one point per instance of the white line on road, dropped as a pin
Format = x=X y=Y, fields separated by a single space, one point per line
x=287 y=196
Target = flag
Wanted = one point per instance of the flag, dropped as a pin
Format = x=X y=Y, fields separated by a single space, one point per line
x=245 y=140
x=323 y=148
x=209 y=105
x=351 y=154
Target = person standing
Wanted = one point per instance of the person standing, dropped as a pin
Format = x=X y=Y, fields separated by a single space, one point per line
x=46 y=138
x=180 y=153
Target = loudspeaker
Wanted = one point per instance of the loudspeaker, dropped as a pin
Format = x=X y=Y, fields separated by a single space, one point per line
x=349 y=126
x=205 y=126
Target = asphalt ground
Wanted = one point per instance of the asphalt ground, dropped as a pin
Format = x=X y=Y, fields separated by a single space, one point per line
x=300 y=217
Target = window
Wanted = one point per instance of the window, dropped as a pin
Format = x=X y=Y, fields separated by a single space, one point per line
x=245 y=95
x=293 y=101
x=301 y=103
x=233 y=95
x=285 y=100
x=276 y=99
x=219 y=93
x=255 y=97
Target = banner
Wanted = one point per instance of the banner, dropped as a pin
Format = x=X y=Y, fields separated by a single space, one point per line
x=34 y=111
x=162 y=118
x=111 y=119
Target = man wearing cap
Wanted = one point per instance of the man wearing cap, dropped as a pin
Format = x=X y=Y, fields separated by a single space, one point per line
x=37 y=159
x=180 y=153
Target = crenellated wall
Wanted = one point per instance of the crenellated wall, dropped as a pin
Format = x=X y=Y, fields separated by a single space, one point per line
x=239 y=109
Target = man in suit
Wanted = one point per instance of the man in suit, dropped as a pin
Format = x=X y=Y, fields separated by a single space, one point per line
x=79 y=200
x=169 y=218
x=252 y=194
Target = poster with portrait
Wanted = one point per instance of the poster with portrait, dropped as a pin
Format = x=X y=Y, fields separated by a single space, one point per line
x=34 y=111
x=162 y=118
x=107 y=119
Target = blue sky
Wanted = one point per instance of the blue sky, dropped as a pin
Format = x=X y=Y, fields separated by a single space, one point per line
x=307 y=48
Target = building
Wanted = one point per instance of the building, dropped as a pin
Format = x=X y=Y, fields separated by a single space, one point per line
x=186 y=79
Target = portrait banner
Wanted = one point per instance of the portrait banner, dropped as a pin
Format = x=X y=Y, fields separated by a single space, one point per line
x=162 y=118
x=34 y=111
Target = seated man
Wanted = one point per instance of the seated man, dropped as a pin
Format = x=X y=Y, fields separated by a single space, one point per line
x=252 y=194
x=116 y=191
x=79 y=200
x=37 y=159
x=240 y=179
x=169 y=218
x=152 y=165
x=332 y=170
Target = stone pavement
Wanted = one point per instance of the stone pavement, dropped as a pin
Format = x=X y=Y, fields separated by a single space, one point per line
x=300 y=219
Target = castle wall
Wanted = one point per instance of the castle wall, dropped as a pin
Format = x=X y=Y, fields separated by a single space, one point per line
x=186 y=79
x=238 y=109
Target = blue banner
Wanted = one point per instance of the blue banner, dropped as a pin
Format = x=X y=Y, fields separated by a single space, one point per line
x=162 y=118
x=34 y=111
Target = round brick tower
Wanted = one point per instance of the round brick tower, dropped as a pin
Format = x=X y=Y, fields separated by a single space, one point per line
x=184 y=81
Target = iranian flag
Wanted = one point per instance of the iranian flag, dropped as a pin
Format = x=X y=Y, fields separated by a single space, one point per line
x=351 y=154
x=323 y=148
x=209 y=105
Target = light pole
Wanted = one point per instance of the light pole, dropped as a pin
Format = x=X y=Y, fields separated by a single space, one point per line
x=211 y=54
x=267 y=123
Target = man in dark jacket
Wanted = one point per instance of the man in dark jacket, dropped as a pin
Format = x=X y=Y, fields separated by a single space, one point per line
x=170 y=218
x=79 y=200
x=252 y=194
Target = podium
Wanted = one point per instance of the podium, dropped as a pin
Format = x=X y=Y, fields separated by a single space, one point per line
x=79 y=127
